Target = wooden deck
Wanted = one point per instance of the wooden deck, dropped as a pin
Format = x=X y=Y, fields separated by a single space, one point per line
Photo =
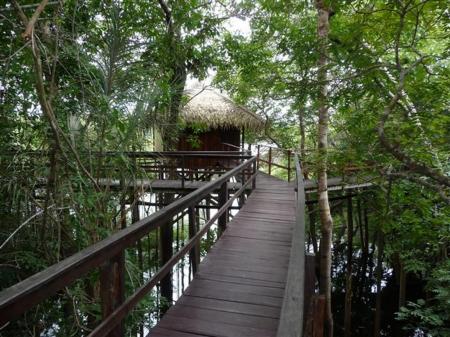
x=239 y=288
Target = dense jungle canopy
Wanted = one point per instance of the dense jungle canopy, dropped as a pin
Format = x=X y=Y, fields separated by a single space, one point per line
x=351 y=86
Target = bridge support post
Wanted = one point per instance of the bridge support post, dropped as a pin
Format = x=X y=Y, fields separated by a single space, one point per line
x=289 y=154
x=223 y=198
x=270 y=161
x=254 y=168
x=112 y=289
x=194 y=254
x=242 y=181
x=316 y=317
x=166 y=240
x=258 y=148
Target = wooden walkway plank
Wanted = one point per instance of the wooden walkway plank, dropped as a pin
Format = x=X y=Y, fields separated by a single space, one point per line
x=239 y=288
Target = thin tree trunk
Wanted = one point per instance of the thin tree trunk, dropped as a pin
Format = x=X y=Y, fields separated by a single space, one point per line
x=324 y=206
x=402 y=285
x=312 y=218
x=379 y=272
x=348 y=283
x=365 y=252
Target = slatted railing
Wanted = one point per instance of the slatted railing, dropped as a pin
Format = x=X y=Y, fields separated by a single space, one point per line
x=292 y=311
x=108 y=255
x=270 y=157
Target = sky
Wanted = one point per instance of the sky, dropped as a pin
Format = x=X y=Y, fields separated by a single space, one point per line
x=234 y=25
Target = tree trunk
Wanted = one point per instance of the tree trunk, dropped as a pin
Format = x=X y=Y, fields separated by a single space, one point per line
x=402 y=285
x=348 y=280
x=324 y=206
x=379 y=272
x=312 y=218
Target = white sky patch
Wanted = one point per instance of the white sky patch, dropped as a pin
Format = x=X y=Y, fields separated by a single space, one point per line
x=235 y=26
x=238 y=26
x=194 y=83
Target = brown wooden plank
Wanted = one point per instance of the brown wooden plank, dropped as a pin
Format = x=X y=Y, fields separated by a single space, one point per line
x=212 y=328
x=219 y=285
x=163 y=332
x=219 y=316
x=236 y=307
x=238 y=280
x=260 y=217
x=214 y=264
x=260 y=236
x=234 y=295
x=261 y=233
x=221 y=257
x=253 y=250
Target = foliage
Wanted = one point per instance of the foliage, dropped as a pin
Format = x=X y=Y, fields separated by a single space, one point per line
x=431 y=316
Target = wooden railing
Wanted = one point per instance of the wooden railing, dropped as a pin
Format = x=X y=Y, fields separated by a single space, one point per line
x=187 y=165
x=303 y=310
x=275 y=157
x=292 y=311
x=109 y=256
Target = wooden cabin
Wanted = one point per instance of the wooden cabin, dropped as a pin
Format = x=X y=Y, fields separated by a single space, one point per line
x=213 y=120
x=215 y=123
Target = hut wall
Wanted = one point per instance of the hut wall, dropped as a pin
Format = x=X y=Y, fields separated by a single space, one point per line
x=211 y=140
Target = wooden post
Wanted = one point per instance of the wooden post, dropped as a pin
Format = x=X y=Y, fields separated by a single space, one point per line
x=270 y=161
x=112 y=289
x=254 y=168
x=194 y=254
x=257 y=154
x=348 y=278
x=166 y=240
x=135 y=217
x=289 y=165
x=208 y=216
x=223 y=198
x=315 y=321
x=310 y=283
x=183 y=162
x=242 y=196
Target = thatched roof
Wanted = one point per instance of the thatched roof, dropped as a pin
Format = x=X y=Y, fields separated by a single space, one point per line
x=215 y=110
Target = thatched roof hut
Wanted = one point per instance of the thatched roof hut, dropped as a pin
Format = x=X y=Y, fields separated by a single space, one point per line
x=209 y=107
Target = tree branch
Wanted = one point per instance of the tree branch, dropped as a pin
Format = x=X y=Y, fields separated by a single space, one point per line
x=45 y=103
x=394 y=149
x=422 y=182
x=167 y=12
x=29 y=28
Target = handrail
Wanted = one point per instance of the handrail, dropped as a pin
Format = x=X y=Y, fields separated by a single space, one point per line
x=22 y=296
x=271 y=163
x=240 y=148
x=117 y=315
x=292 y=310
x=151 y=154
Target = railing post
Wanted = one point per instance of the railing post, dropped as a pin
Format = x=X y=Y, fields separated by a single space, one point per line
x=242 y=196
x=314 y=325
x=223 y=198
x=166 y=240
x=182 y=171
x=112 y=289
x=270 y=161
x=289 y=165
x=194 y=254
x=254 y=168
x=257 y=154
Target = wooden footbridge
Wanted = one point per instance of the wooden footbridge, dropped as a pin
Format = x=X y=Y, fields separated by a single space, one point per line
x=240 y=285
x=252 y=282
